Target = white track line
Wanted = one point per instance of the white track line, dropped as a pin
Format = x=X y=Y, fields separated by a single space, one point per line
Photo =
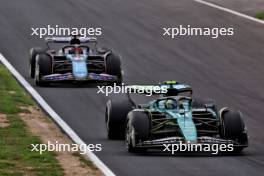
x=106 y=171
x=230 y=11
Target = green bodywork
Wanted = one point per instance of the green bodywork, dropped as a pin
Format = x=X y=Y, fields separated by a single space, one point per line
x=182 y=114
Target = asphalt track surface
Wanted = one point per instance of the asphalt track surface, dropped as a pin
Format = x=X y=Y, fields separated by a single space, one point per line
x=229 y=70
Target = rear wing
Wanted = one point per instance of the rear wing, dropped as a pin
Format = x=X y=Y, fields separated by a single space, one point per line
x=146 y=89
x=176 y=89
x=68 y=39
x=165 y=89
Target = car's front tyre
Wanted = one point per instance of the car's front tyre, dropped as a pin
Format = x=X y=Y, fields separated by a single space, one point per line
x=233 y=128
x=32 y=59
x=137 y=130
x=43 y=67
x=113 y=67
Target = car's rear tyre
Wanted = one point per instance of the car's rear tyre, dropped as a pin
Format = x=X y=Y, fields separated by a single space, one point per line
x=200 y=103
x=32 y=59
x=43 y=67
x=137 y=130
x=113 y=67
x=233 y=128
x=115 y=117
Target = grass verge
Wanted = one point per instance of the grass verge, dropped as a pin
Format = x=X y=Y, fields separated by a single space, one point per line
x=16 y=157
x=260 y=15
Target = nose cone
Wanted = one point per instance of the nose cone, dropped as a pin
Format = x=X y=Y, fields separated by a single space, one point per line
x=187 y=126
x=79 y=69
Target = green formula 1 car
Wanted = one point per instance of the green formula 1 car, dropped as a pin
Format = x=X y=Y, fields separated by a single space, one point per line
x=173 y=118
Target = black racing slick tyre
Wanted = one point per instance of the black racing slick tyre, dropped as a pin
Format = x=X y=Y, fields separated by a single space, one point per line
x=233 y=128
x=115 y=117
x=43 y=67
x=113 y=67
x=137 y=130
x=32 y=59
x=200 y=103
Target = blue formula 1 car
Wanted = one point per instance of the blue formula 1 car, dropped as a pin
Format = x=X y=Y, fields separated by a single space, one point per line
x=75 y=61
x=175 y=117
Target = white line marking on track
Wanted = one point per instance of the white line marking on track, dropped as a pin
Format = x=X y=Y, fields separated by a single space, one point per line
x=106 y=171
x=230 y=11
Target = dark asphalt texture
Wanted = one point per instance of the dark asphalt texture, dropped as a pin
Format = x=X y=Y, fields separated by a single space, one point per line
x=228 y=69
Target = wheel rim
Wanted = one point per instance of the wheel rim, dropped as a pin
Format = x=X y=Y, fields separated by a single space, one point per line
x=107 y=119
x=30 y=69
x=37 y=73
x=133 y=138
x=128 y=137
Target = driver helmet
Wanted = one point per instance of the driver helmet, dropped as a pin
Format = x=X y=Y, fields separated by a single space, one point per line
x=170 y=104
x=76 y=50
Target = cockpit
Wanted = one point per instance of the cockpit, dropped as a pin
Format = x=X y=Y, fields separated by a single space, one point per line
x=75 y=50
x=182 y=103
x=167 y=104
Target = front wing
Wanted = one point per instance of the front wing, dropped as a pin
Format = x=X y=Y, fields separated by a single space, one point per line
x=70 y=77
x=158 y=143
